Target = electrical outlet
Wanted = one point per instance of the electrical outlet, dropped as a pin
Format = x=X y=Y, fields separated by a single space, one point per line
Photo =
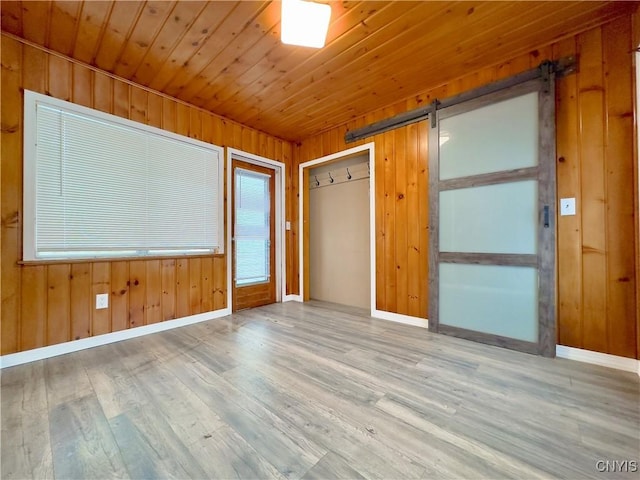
x=102 y=301
x=567 y=206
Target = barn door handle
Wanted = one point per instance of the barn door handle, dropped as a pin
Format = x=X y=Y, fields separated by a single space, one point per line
x=546 y=216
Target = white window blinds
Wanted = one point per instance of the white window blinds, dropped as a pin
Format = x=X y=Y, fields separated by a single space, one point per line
x=100 y=186
x=252 y=227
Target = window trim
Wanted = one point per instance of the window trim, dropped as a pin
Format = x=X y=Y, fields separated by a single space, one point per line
x=31 y=101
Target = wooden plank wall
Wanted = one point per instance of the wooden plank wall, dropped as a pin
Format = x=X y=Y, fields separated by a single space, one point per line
x=597 y=307
x=635 y=23
x=48 y=304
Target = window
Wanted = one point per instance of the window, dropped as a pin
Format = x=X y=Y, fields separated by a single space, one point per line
x=252 y=227
x=96 y=185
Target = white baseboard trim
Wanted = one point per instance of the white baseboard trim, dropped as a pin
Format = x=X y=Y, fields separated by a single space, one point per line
x=399 y=318
x=90 y=342
x=597 y=358
x=292 y=298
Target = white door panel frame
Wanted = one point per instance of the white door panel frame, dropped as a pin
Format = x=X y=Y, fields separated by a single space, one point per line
x=366 y=148
x=279 y=171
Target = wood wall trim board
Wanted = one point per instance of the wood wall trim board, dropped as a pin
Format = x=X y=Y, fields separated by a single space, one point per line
x=292 y=298
x=399 y=318
x=514 y=259
x=530 y=173
x=597 y=358
x=636 y=153
x=491 y=339
x=41 y=353
x=113 y=259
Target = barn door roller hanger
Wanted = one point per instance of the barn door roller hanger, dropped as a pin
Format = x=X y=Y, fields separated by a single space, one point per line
x=544 y=72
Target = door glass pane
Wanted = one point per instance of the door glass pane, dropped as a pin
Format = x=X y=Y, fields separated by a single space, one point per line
x=494 y=299
x=498 y=218
x=500 y=136
x=252 y=229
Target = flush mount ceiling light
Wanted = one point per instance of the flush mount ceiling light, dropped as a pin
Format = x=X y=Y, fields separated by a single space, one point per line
x=305 y=23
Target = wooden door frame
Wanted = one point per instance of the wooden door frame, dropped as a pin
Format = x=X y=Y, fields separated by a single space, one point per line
x=544 y=173
x=303 y=172
x=279 y=172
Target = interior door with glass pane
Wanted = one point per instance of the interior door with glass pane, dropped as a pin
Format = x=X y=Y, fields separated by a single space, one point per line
x=492 y=194
x=253 y=208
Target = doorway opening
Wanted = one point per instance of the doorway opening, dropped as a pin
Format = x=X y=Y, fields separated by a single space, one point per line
x=255 y=270
x=337 y=246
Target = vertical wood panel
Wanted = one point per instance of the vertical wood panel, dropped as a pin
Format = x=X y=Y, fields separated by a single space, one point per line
x=119 y=301
x=182 y=288
x=183 y=119
x=423 y=215
x=34 y=73
x=591 y=98
x=619 y=187
x=219 y=282
x=389 y=179
x=82 y=88
x=154 y=110
x=80 y=285
x=635 y=36
x=207 y=285
x=58 y=304
x=168 y=289
x=102 y=92
x=569 y=227
x=195 y=285
x=169 y=115
x=138 y=106
x=401 y=220
x=137 y=292
x=120 y=99
x=34 y=312
x=195 y=124
x=413 y=226
x=11 y=193
x=101 y=283
x=59 y=78
x=153 y=304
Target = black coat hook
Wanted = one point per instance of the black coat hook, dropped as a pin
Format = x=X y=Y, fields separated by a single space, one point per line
x=317 y=182
x=348 y=174
x=330 y=178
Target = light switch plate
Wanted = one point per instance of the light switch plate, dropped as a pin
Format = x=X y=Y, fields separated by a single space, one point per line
x=102 y=301
x=567 y=206
x=288 y=225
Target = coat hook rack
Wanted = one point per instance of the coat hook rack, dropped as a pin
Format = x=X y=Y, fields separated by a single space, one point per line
x=348 y=174
x=330 y=178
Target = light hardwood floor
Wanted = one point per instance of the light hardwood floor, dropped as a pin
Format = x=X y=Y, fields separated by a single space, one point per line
x=313 y=391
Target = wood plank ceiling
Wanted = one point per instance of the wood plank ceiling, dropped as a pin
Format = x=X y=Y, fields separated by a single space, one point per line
x=226 y=57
